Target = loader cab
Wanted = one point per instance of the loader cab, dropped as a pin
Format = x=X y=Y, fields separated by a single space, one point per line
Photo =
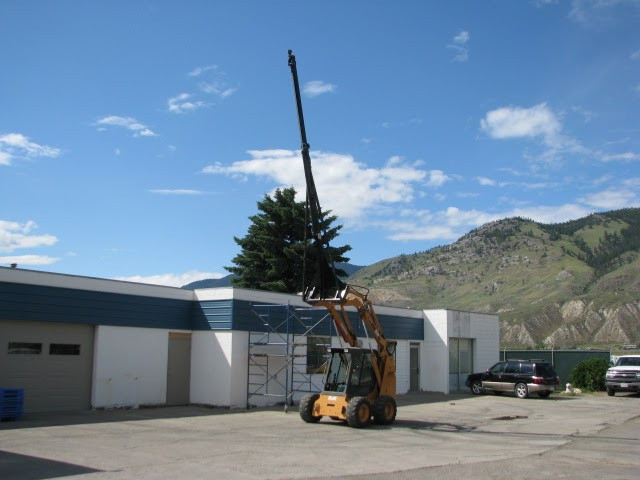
x=350 y=372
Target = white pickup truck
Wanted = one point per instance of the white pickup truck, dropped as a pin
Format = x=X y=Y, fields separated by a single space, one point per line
x=624 y=376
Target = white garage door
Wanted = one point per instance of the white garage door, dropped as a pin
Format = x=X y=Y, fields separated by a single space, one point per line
x=51 y=361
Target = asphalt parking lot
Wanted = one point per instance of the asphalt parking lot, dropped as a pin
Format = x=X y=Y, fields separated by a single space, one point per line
x=434 y=436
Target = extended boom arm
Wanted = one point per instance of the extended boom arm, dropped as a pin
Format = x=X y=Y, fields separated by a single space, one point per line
x=325 y=283
x=327 y=290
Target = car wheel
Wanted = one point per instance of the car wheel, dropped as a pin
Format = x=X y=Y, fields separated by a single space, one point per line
x=476 y=387
x=611 y=392
x=544 y=394
x=521 y=390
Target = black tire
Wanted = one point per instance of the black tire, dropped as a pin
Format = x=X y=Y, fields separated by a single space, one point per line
x=306 y=408
x=358 y=412
x=544 y=394
x=611 y=392
x=521 y=390
x=384 y=411
x=476 y=387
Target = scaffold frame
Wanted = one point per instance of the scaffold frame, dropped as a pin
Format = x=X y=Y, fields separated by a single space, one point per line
x=278 y=353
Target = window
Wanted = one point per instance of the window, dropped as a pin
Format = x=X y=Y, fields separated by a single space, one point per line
x=512 y=368
x=64 y=349
x=498 y=368
x=317 y=353
x=526 y=368
x=24 y=348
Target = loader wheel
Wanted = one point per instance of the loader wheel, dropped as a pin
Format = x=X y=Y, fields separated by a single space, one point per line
x=358 y=412
x=384 y=412
x=306 y=408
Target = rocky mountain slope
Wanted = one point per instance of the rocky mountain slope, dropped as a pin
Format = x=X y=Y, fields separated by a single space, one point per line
x=562 y=285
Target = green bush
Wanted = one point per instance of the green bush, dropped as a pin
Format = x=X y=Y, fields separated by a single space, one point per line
x=590 y=374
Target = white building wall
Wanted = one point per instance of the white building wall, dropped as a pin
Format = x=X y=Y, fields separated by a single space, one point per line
x=434 y=355
x=129 y=367
x=486 y=331
x=402 y=367
x=219 y=368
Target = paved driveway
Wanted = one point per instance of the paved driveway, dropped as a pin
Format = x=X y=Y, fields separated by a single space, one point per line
x=435 y=436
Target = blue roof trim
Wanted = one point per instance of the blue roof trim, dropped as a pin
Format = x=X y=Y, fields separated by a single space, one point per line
x=19 y=301
x=251 y=316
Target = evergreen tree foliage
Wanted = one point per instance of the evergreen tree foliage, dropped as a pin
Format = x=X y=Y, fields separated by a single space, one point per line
x=273 y=250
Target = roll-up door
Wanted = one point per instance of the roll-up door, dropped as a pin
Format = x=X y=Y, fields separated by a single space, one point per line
x=51 y=361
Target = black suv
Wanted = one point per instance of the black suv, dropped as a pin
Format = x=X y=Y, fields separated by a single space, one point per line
x=521 y=377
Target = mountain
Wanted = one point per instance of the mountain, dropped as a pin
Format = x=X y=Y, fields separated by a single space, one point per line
x=210 y=283
x=349 y=268
x=560 y=285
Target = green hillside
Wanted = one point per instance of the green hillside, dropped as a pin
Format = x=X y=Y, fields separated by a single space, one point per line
x=535 y=276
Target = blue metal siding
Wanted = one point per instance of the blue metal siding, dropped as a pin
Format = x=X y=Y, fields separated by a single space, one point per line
x=213 y=315
x=248 y=316
x=54 y=304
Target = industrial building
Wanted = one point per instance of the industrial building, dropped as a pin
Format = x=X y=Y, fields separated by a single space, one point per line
x=75 y=343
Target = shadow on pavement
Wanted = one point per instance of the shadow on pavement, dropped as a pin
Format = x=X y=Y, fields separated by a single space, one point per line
x=25 y=467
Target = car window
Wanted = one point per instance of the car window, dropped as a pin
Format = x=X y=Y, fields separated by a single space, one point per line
x=526 y=368
x=512 y=367
x=497 y=368
x=545 y=370
x=628 y=362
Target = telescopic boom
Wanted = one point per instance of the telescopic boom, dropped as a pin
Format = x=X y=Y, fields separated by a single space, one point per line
x=325 y=283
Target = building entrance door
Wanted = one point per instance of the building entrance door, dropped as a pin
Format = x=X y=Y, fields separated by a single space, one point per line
x=460 y=362
x=179 y=368
x=414 y=367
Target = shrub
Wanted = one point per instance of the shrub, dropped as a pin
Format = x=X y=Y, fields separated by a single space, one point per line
x=590 y=374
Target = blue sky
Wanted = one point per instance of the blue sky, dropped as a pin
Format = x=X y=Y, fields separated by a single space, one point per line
x=137 y=137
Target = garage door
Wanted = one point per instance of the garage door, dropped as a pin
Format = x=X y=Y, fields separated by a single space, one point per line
x=51 y=361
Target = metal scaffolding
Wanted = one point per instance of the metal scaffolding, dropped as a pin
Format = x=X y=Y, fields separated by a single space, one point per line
x=278 y=360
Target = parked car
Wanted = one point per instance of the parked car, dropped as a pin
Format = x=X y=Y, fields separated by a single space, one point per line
x=624 y=376
x=521 y=377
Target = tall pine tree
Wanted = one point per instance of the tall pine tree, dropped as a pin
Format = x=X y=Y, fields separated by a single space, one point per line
x=273 y=250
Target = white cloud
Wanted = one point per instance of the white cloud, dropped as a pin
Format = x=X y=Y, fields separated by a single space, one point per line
x=138 y=129
x=181 y=103
x=16 y=145
x=171 y=279
x=612 y=199
x=486 y=181
x=317 y=87
x=15 y=235
x=196 y=72
x=437 y=178
x=22 y=260
x=599 y=13
x=459 y=46
x=451 y=223
x=632 y=182
x=177 y=192
x=518 y=122
x=538 y=122
x=348 y=188
x=625 y=157
x=218 y=88
x=461 y=38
